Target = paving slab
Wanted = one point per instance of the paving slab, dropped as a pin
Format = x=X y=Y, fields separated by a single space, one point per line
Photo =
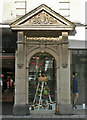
x=65 y=116
x=83 y=119
x=35 y=119
x=75 y=116
x=55 y=116
x=46 y=116
x=82 y=116
x=75 y=119
x=36 y=116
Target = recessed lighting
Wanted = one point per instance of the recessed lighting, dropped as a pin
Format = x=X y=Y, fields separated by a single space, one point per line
x=3 y=51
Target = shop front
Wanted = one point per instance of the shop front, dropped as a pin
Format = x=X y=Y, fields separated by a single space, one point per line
x=42 y=48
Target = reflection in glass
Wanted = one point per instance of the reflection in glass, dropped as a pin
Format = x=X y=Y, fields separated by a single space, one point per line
x=42 y=63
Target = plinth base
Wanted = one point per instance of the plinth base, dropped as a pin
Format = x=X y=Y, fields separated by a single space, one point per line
x=21 y=109
x=65 y=109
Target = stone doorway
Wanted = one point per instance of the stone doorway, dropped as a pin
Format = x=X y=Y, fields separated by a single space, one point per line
x=46 y=64
x=42 y=31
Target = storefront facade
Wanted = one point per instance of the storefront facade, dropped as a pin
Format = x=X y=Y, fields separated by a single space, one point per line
x=42 y=31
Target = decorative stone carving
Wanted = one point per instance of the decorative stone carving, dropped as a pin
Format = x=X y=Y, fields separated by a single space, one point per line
x=64 y=65
x=42 y=48
x=43 y=40
x=43 y=18
x=53 y=47
x=31 y=48
x=20 y=66
x=64 y=36
x=20 y=37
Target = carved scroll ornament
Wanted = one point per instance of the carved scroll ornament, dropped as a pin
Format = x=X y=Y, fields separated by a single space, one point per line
x=43 y=18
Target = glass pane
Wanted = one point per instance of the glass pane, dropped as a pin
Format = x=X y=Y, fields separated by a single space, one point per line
x=42 y=93
x=79 y=59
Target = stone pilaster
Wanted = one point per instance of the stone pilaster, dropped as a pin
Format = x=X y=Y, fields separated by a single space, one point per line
x=58 y=89
x=58 y=81
x=65 y=106
x=20 y=106
x=64 y=49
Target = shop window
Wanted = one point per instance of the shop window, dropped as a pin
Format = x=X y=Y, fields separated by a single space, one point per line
x=42 y=94
x=79 y=60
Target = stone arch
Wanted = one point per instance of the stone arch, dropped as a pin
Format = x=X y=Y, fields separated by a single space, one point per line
x=56 y=57
x=47 y=50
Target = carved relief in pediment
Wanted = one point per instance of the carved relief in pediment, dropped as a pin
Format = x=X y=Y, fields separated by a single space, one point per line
x=43 y=18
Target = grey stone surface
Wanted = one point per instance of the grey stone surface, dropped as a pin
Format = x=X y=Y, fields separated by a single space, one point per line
x=65 y=109
x=20 y=110
x=75 y=116
x=42 y=112
x=82 y=116
x=46 y=116
x=65 y=116
x=45 y=119
x=37 y=116
x=55 y=116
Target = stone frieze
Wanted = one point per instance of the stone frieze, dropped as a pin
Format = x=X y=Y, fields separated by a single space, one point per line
x=44 y=40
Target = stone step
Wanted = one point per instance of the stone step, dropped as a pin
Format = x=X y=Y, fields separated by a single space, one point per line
x=52 y=112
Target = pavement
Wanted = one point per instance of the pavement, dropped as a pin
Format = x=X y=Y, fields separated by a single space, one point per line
x=7 y=108
x=42 y=117
x=6 y=113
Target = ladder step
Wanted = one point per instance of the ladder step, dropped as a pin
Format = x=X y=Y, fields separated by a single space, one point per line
x=38 y=99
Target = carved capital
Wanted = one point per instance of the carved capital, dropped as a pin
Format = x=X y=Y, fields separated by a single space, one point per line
x=20 y=37
x=64 y=36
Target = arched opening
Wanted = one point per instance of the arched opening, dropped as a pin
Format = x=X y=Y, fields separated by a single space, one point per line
x=42 y=97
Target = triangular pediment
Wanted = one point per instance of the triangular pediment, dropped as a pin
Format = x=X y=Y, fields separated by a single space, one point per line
x=42 y=17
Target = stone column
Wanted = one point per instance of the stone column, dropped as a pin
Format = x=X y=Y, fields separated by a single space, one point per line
x=20 y=105
x=58 y=81
x=65 y=106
